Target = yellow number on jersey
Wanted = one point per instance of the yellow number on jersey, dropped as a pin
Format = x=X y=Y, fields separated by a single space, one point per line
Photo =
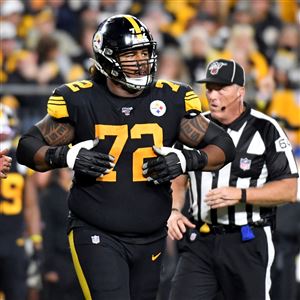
x=77 y=85
x=174 y=86
x=12 y=193
x=121 y=134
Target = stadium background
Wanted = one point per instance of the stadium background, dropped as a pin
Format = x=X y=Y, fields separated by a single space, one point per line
x=45 y=43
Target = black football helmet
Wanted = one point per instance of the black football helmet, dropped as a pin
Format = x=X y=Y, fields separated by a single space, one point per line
x=118 y=34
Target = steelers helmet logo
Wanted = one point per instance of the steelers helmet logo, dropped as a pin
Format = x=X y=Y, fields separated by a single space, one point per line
x=158 y=108
x=97 y=41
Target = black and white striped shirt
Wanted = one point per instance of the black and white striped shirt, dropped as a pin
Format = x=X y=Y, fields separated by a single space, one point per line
x=263 y=154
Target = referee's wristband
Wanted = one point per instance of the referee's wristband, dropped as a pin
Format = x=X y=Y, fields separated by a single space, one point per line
x=244 y=196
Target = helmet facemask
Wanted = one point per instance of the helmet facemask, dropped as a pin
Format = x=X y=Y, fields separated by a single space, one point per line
x=138 y=73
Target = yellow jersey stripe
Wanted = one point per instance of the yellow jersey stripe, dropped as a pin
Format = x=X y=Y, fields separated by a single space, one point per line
x=78 y=269
x=135 y=25
x=56 y=103
x=193 y=104
x=57 y=98
x=191 y=97
x=190 y=93
x=57 y=110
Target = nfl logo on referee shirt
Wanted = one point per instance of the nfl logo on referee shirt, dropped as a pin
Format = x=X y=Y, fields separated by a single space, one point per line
x=245 y=164
x=95 y=239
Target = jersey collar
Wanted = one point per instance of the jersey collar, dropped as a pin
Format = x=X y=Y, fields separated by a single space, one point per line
x=237 y=123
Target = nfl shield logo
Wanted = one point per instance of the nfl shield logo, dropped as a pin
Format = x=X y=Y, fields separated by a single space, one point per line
x=95 y=239
x=215 y=67
x=245 y=164
x=126 y=110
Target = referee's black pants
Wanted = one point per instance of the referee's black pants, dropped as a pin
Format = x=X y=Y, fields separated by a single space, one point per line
x=214 y=263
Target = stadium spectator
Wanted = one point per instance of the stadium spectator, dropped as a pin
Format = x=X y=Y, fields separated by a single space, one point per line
x=241 y=47
x=171 y=65
x=266 y=25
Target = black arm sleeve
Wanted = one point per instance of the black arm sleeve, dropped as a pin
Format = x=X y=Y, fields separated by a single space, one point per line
x=215 y=135
x=28 y=145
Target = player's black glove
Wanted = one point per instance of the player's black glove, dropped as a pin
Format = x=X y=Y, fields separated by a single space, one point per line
x=81 y=159
x=173 y=162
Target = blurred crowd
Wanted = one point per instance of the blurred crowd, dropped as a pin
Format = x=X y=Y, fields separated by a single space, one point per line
x=45 y=43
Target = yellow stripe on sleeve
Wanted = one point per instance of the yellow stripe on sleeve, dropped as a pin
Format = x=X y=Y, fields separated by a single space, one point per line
x=57 y=98
x=57 y=107
x=189 y=93
x=192 y=102
x=78 y=269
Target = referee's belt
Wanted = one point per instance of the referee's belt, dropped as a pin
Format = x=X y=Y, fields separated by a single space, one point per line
x=206 y=228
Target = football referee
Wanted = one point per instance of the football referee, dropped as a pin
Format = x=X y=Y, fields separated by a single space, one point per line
x=226 y=244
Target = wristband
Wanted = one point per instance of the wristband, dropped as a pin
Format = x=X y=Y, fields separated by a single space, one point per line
x=56 y=157
x=195 y=159
x=244 y=196
x=174 y=209
x=36 y=238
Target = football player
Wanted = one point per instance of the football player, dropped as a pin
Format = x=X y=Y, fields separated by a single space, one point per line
x=122 y=124
x=19 y=212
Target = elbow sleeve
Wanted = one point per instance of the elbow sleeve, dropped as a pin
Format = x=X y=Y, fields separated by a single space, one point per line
x=28 y=145
x=215 y=135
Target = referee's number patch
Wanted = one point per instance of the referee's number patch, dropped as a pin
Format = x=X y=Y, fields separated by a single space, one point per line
x=282 y=144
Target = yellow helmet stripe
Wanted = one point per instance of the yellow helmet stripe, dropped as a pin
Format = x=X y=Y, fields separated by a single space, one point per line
x=135 y=25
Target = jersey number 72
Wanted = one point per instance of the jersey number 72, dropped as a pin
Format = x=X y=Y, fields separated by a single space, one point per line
x=122 y=134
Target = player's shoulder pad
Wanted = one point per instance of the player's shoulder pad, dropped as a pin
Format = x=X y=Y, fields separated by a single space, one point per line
x=171 y=85
x=184 y=91
x=57 y=106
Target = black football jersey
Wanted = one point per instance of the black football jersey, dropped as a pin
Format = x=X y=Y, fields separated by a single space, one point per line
x=11 y=202
x=123 y=201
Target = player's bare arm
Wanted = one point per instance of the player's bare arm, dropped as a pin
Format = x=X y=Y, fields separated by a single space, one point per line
x=215 y=146
x=55 y=134
x=192 y=133
x=45 y=147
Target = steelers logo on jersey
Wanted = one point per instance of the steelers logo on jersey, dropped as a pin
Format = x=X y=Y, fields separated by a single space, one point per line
x=158 y=108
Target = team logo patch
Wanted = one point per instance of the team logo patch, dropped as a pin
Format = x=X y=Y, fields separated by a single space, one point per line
x=97 y=41
x=245 y=164
x=95 y=239
x=215 y=67
x=126 y=110
x=158 y=108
